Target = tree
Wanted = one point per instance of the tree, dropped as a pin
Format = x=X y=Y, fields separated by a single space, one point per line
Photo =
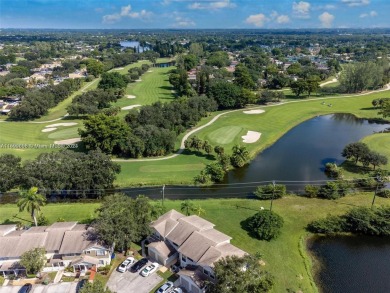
x=385 y=108
x=355 y=150
x=187 y=206
x=104 y=132
x=270 y=191
x=242 y=77
x=265 y=225
x=96 y=287
x=215 y=171
x=240 y=274
x=299 y=87
x=10 y=172
x=207 y=147
x=374 y=158
x=111 y=80
x=198 y=210
x=312 y=84
x=240 y=156
x=34 y=260
x=219 y=150
x=361 y=76
x=95 y=67
x=122 y=220
x=31 y=201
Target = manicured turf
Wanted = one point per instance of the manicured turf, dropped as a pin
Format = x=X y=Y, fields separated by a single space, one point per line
x=273 y=123
x=64 y=133
x=224 y=135
x=380 y=142
x=285 y=257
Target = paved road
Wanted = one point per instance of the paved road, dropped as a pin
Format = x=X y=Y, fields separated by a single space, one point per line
x=66 y=287
x=132 y=282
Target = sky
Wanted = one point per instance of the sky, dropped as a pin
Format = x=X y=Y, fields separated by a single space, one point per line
x=166 y=14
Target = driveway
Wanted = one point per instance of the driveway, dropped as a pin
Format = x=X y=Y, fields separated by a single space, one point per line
x=132 y=282
x=66 y=287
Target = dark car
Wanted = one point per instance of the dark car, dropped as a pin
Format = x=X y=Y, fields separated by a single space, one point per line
x=81 y=284
x=26 y=288
x=138 y=265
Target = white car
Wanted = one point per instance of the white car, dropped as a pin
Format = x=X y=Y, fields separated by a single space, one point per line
x=165 y=288
x=149 y=269
x=177 y=290
x=126 y=264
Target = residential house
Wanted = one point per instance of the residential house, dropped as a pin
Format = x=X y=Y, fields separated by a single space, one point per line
x=193 y=243
x=66 y=244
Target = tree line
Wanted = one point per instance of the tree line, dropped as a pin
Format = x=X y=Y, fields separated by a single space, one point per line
x=65 y=173
x=36 y=103
x=151 y=131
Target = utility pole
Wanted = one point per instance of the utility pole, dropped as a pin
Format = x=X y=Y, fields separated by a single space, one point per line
x=273 y=195
x=163 y=194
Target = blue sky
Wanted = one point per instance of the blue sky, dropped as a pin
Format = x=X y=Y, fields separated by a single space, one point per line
x=137 y=14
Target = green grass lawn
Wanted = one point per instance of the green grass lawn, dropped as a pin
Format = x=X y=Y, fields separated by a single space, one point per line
x=272 y=124
x=285 y=257
x=154 y=87
x=380 y=142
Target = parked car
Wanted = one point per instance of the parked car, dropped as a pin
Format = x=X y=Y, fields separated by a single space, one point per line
x=138 y=265
x=177 y=290
x=165 y=288
x=26 y=288
x=126 y=264
x=149 y=269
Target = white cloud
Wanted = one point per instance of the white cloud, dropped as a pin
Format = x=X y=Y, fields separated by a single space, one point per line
x=257 y=20
x=212 y=5
x=301 y=9
x=283 y=19
x=183 y=22
x=126 y=12
x=370 y=14
x=353 y=3
x=326 y=19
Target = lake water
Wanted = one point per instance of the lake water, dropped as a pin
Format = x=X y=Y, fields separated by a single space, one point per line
x=355 y=264
x=133 y=44
x=300 y=155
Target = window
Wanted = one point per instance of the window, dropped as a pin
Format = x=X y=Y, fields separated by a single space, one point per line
x=100 y=252
x=87 y=252
x=206 y=272
x=190 y=259
x=212 y=276
x=183 y=258
x=101 y=262
x=175 y=244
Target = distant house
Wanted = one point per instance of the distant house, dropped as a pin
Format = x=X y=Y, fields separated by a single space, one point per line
x=194 y=244
x=66 y=244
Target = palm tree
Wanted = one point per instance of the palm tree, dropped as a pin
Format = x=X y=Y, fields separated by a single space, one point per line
x=198 y=210
x=240 y=156
x=187 y=206
x=31 y=201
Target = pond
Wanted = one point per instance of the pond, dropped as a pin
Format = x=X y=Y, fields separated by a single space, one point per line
x=352 y=264
x=134 y=44
x=300 y=155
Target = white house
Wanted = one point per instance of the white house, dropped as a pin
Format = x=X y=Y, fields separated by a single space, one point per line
x=194 y=243
x=66 y=244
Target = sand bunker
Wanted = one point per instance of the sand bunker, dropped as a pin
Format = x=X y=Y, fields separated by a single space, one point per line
x=130 y=107
x=49 y=129
x=251 y=137
x=150 y=70
x=254 y=111
x=68 y=141
x=130 y=97
x=119 y=68
x=61 y=124
x=138 y=80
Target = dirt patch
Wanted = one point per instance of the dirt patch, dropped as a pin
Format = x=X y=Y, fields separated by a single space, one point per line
x=259 y=111
x=251 y=137
x=68 y=141
x=61 y=124
x=49 y=129
x=130 y=107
